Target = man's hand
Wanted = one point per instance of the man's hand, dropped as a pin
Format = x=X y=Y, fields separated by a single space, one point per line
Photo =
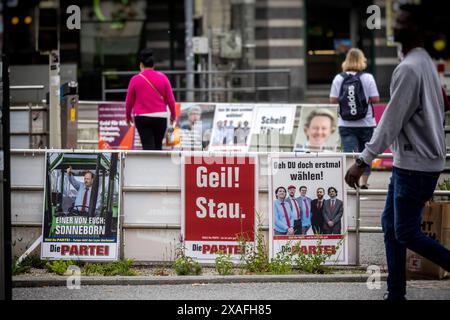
x=130 y=122
x=353 y=174
x=330 y=224
x=290 y=231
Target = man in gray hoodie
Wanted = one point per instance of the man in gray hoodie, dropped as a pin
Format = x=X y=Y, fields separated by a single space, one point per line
x=413 y=124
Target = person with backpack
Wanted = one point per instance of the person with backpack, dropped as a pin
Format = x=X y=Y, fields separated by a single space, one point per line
x=356 y=92
x=150 y=102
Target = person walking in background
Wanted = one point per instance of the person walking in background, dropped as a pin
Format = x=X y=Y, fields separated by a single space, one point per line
x=413 y=124
x=149 y=93
x=356 y=92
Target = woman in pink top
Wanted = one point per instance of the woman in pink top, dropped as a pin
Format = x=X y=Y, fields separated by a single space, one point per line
x=149 y=94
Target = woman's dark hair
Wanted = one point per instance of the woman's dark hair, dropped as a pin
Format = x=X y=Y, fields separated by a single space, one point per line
x=146 y=57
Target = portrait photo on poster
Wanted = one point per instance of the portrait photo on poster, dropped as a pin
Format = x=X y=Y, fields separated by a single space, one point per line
x=231 y=128
x=81 y=206
x=307 y=203
x=317 y=129
x=195 y=124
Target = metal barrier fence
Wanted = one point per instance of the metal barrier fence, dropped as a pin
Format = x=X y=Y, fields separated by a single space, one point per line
x=215 y=86
x=150 y=207
x=29 y=123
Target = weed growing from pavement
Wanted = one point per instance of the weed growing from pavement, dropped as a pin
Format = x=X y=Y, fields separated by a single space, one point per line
x=118 y=268
x=254 y=259
x=58 y=266
x=314 y=262
x=282 y=263
x=224 y=264
x=184 y=265
x=93 y=269
x=163 y=269
x=121 y=268
x=18 y=268
x=31 y=261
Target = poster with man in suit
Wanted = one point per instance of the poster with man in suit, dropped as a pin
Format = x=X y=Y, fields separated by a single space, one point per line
x=333 y=210
x=319 y=204
x=317 y=211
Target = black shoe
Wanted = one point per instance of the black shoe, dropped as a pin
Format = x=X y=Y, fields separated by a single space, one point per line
x=387 y=297
x=364 y=187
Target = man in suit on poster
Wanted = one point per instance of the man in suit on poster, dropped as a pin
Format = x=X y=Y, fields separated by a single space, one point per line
x=84 y=189
x=296 y=209
x=333 y=209
x=305 y=203
x=317 y=211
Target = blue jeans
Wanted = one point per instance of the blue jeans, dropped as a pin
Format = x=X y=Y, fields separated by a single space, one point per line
x=354 y=139
x=401 y=221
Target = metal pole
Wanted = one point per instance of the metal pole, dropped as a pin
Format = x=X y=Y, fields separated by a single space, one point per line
x=103 y=87
x=121 y=235
x=289 y=87
x=209 y=64
x=54 y=88
x=54 y=105
x=188 y=10
x=358 y=214
x=5 y=185
x=255 y=86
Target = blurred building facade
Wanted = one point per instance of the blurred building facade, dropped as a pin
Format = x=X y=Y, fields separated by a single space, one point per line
x=307 y=37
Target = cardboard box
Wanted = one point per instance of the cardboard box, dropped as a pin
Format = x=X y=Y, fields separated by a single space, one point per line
x=435 y=224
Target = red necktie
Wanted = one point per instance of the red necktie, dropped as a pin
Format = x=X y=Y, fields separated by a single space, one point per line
x=332 y=204
x=286 y=215
x=320 y=205
x=83 y=206
x=296 y=208
x=307 y=209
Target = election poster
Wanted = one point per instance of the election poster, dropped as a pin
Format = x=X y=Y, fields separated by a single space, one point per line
x=274 y=118
x=231 y=127
x=81 y=206
x=218 y=205
x=317 y=129
x=195 y=125
x=308 y=205
x=113 y=130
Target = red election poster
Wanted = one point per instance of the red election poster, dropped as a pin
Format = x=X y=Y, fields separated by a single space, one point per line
x=218 y=205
